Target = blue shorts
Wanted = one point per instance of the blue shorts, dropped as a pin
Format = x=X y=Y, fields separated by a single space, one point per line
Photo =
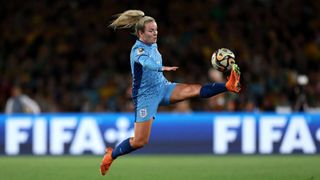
x=146 y=106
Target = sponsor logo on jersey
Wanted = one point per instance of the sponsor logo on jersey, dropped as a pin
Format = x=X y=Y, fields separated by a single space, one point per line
x=140 y=51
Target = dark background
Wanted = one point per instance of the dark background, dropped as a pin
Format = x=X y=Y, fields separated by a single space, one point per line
x=64 y=55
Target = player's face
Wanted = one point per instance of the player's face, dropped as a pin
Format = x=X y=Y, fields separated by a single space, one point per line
x=150 y=33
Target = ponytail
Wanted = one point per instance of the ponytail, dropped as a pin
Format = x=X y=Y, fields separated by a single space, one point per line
x=129 y=19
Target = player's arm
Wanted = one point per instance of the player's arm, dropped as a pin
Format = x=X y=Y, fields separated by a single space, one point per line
x=147 y=62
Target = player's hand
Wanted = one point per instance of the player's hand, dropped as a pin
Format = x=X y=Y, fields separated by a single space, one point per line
x=169 y=68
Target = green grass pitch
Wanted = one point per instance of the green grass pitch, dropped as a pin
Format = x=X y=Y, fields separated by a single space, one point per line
x=161 y=167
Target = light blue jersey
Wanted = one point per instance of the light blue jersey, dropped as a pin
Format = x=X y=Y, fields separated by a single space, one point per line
x=146 y=68
x=149 y=86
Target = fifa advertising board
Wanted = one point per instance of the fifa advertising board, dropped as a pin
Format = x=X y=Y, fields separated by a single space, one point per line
x=209 y=133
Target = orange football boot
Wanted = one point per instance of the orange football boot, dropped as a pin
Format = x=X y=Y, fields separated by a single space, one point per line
x=233 y=83
x=106 y=161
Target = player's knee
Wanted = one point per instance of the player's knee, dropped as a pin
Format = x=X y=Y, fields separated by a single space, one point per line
x=139 y=143
x=190 y=91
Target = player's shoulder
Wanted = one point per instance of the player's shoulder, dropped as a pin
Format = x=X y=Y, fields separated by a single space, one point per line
x=140 y=48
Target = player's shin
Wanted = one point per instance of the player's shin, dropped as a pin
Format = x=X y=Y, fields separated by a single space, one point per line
x=123 y=148
x=212 y=89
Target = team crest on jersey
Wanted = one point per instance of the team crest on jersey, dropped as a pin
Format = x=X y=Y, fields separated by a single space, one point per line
x=140 y=51
x=143 y=112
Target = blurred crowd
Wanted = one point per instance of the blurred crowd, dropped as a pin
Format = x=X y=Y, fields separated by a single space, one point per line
x=63 y=55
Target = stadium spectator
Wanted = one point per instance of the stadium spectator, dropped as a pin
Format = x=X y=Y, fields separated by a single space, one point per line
x=21 y=103
x=60 y=51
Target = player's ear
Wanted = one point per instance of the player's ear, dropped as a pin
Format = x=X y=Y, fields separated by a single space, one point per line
x=140 y=33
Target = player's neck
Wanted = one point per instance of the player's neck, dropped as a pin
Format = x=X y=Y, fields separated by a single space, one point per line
x=146 y=43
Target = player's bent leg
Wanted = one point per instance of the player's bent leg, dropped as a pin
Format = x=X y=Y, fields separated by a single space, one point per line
x=141 y=137
x=142 y=132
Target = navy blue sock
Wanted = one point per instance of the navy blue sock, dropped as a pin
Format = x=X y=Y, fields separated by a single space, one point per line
x=212 y=89
x=123 y=148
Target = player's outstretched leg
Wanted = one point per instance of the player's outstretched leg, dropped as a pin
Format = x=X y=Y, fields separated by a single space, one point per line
x=233 y=83
x=106 y=161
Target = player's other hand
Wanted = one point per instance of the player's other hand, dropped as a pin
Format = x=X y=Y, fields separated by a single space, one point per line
x=169 y=68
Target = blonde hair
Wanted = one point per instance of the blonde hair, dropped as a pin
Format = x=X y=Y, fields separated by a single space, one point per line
x=131 y=18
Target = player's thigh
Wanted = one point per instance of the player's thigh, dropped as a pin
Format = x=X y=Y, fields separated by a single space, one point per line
x=184 y=91
x=145 y=111
x=166 y=93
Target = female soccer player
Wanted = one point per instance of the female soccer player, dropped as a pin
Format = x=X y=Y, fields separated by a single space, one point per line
x=150 y=88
